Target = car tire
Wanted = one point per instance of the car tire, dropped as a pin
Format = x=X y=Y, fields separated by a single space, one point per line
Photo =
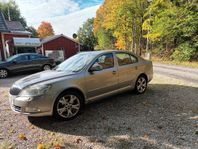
x=46 y=67
x=68 y=106
x=141 y=84
x=3 y=73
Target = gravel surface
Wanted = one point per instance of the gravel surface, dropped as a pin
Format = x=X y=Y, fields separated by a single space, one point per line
x=165 y=117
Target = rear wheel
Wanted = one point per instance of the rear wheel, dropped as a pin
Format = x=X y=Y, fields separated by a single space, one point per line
x=141 y=84
x=68 y=105
x=46 y=67
x=3 y=73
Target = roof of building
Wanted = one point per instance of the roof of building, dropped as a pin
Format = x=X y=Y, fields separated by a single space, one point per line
x=15 y=26
x=3 y=26
x=12 y=26
x=50 y=38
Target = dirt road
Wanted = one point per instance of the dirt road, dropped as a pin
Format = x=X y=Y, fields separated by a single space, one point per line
x=178 y=72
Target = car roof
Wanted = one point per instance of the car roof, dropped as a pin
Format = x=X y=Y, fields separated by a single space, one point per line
x=105 y=51
x=27 y=54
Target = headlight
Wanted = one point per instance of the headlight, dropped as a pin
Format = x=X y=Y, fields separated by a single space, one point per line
x=35 y=90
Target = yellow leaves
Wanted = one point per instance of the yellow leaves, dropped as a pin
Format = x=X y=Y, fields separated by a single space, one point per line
x=120 y=44
x=40 y=146
x=22 y=137
x=44 y=146
x=146 y=25
x=153 y=36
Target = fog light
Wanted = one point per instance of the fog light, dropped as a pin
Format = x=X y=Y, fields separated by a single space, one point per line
x=31 y=110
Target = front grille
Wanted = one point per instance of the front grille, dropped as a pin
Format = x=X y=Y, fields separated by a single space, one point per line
x=15 y=91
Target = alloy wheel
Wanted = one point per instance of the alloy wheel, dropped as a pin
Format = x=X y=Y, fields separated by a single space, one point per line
x=141 y=84
x=46 y=67
x=3 y=73
x=68 y=106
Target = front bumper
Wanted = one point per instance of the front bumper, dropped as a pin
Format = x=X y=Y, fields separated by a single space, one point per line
x=31 y=106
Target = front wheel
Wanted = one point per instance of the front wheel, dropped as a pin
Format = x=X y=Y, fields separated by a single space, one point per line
x=68 y=106
x=3 y=73
x=141 y=84
x=46 y=67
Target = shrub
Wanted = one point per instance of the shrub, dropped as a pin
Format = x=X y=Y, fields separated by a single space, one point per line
x=183 y=52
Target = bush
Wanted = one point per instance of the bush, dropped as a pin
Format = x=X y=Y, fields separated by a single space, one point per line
x=183 y=52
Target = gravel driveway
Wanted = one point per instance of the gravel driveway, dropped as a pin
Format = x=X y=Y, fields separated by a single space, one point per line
x=165 y=117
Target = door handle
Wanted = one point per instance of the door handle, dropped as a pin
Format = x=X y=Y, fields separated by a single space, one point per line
x=114 y=72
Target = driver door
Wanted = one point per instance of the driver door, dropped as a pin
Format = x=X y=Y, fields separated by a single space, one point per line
x=21 y=63
x=102 y=81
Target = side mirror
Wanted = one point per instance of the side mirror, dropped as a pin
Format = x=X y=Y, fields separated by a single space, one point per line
x=96 y=67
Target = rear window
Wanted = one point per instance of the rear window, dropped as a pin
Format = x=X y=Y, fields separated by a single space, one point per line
x=21 y=58
x=34 y=57
x=126 y=59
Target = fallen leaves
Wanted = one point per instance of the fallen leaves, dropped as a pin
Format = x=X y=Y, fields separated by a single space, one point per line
x=146 y=136
x=22 y=137
x=40 y=146
x=57 y=146
x=79 y=141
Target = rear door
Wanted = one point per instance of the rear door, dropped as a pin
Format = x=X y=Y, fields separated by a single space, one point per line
x=36 y=61
x=127 y=69
x=105 y=80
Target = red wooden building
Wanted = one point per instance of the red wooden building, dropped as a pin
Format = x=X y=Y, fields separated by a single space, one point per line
x=15 y=39
x=59 y=47
x=8 y=30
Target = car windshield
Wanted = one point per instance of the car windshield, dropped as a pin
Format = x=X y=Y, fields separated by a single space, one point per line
x=11 y=58
x=75 y=63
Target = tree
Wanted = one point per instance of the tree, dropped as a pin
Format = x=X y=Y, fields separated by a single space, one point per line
x=173 y=28
x=32 y=30
x=104 y=38
x=11 y=11
x=123 y=21
x=86 y=35
x=45 y=30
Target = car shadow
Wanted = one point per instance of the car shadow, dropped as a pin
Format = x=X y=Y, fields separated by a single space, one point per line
x=156 y=116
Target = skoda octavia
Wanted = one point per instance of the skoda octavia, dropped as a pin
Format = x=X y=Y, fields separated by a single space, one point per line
x=85 y=77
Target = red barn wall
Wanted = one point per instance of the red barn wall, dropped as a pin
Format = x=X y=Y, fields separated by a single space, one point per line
x=1 y=48
x=8 y=37
x=70 y=47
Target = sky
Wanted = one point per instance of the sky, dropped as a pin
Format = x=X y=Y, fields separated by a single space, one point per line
x=66 y=16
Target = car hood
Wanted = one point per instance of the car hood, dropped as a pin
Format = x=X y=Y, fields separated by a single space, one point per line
x=41 y=77
x=3 y=62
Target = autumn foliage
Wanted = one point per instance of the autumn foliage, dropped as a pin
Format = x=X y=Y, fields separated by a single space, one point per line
x=168 y=28
x=45 y=30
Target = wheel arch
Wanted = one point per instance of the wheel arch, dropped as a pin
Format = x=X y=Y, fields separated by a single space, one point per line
x=74 y=89
x=143 y=74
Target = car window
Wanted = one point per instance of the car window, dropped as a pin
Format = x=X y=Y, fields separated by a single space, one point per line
x=125 y=59
x=106 y=61
x=35 y=57
x=134 y=59
x=22 y=58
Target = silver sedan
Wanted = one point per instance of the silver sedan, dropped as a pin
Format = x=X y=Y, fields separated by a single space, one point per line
x=85 y=77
